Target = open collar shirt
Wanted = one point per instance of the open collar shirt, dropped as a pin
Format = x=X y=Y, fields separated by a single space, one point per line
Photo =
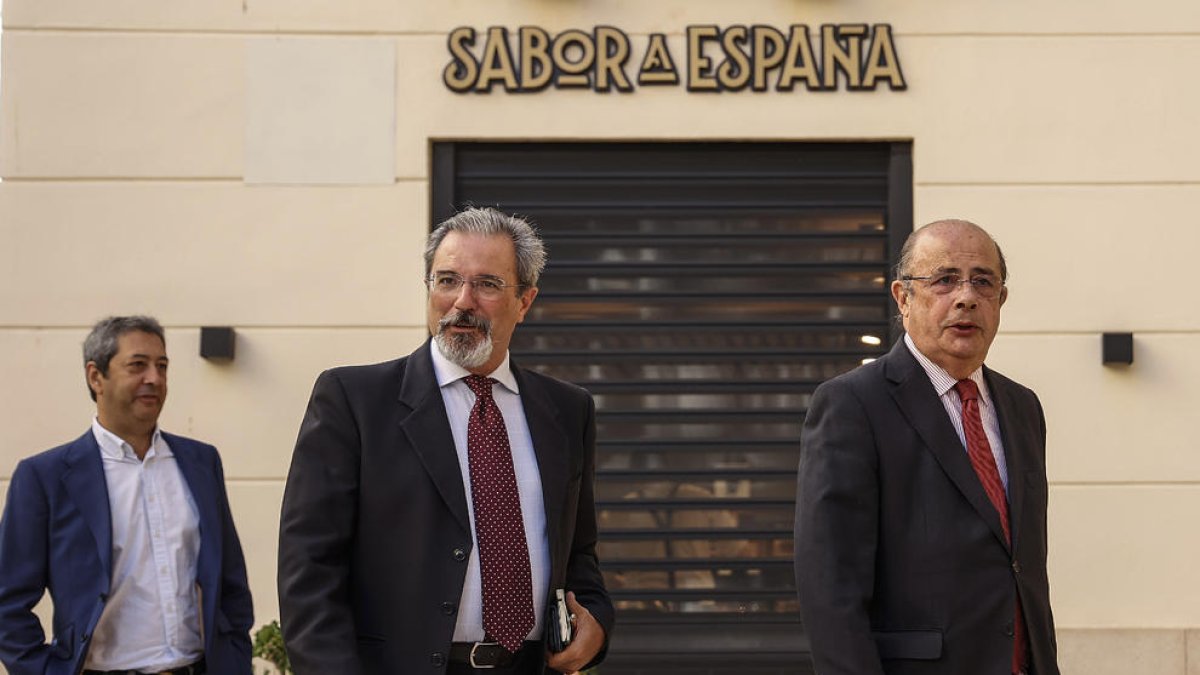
x=151 y=621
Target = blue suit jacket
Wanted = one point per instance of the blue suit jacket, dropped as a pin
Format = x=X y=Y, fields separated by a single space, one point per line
x=56 y=534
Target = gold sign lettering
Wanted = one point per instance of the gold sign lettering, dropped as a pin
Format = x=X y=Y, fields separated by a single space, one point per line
x=735 y=72
x=882 y=62
x=536 y=65
x=800 y=64
x=700 y=71
x=460 y=74
x=769 y=49
x=612 y=51
x=657 y=66
x=857 y=57
x=496 y=64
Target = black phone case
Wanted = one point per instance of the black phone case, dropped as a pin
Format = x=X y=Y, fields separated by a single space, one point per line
x=559 y=630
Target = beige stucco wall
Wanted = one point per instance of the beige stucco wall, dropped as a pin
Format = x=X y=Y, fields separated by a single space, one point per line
x=150 y=158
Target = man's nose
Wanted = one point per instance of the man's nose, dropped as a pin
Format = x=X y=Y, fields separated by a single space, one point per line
x=966 y=296
x=466 y=297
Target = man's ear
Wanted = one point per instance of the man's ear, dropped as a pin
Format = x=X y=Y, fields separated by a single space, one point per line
x=1003 y=295
x=95 y=378
x=526 y=301
x=901 y=296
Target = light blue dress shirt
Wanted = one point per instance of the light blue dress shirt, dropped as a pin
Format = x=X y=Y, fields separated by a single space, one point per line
x=459 y=400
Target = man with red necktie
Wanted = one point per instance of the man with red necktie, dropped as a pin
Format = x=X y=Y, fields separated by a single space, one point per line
x=921 y=499
x=436 y=502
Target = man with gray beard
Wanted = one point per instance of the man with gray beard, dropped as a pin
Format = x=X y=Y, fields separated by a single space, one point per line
x=437 y=502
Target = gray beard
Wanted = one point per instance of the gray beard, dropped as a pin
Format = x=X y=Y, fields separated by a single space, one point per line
x=464 y=349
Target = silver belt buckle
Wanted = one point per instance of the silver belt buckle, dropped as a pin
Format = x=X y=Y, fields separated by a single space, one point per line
x=475 y=647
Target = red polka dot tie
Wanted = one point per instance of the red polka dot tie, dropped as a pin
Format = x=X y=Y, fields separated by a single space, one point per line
x=499 y=529
x=980 y=452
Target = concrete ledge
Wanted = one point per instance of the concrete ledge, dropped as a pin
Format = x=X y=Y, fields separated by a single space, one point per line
x=1193 y=651
x=1128 y=651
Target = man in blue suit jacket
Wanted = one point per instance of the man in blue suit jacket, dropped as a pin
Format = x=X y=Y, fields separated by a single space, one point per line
x=129 y=529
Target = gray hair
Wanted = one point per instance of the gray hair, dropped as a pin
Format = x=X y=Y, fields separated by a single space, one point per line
x=527 y=245
x=101 y=344
x=904 y=265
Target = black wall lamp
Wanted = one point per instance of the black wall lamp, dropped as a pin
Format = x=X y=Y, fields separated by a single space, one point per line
x=1117 y=348
x=216 y=343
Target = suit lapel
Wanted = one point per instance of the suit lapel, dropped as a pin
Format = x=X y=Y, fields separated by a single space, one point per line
x=551 y=446
x=85 y=483
x=424 y=423
x=914 y=394
x=1014 y=448
x=201 y=482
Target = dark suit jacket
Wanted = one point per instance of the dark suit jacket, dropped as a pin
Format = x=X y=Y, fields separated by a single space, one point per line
x=375 y=536
x=57 y=534
x=901 y=564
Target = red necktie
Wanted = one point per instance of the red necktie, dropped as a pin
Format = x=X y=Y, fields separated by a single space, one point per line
x=499 y=529
x=980 y=452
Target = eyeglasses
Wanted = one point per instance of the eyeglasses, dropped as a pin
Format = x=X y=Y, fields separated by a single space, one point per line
x=484 y=288
x=985 y=285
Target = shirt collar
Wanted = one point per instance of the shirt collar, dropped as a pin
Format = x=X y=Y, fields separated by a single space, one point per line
x=113 y=446
x=942 y=380
x=448 y=372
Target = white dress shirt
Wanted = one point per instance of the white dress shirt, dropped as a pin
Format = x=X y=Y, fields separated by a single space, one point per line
x=943 y=384
x=459 y=400
x=151 y=621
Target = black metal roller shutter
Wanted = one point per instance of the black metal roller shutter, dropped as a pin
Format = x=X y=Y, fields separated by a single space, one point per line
x=700 y=291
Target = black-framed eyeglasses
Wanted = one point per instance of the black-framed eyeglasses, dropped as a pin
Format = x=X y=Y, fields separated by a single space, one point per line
x=985 y=285
x=484 y=288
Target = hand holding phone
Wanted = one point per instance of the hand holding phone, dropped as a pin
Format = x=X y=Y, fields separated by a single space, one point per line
x=560 y=626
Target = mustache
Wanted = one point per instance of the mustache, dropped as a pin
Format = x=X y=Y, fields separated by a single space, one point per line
x=462 y=319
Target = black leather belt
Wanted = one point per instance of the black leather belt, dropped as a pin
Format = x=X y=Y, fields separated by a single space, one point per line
x=486 y=654
x=196 y=668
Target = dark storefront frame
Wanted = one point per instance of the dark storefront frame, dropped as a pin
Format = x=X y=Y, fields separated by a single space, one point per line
x=701 y=291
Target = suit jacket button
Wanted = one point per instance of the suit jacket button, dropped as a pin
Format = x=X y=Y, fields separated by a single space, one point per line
x=460 y=555
x=448 y=608
x=438 y=659
x=1016 y=567
x=1008 y=629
